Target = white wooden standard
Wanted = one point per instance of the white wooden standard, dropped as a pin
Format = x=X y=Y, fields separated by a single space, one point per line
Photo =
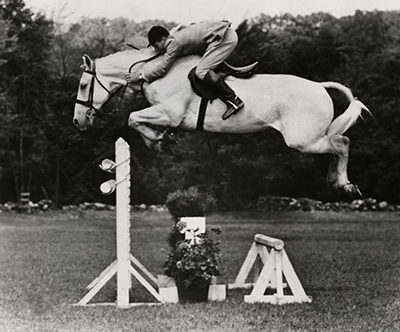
x=123 y=178
x=126 y=264
x=276 y=266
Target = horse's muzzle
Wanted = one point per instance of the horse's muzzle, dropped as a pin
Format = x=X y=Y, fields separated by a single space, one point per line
x=79 y=126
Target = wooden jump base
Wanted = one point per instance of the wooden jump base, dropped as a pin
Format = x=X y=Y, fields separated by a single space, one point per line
x=274 y=260
x=126 y=265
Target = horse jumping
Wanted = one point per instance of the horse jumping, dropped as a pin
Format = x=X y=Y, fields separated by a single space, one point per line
x=300 y=109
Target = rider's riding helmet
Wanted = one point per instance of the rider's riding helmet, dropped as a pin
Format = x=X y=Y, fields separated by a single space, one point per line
x=156 y=33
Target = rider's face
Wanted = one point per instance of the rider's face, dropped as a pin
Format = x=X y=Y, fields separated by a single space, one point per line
x=160 y=45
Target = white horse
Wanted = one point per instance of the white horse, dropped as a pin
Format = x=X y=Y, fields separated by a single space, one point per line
x=301 y=110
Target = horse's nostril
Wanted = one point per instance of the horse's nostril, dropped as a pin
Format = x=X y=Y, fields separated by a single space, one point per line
x=76 y=122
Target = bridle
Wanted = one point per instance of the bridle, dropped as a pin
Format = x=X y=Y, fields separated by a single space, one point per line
x=89 y=102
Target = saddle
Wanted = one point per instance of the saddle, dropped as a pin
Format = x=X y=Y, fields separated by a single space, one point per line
x=206 y=93
x=224 y=70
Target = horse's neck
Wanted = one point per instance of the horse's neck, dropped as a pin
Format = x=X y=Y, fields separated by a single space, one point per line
x=114 y=72
x=116 y=66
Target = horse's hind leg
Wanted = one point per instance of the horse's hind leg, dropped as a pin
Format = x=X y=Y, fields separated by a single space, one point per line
x=337 y=179
x=337 y=174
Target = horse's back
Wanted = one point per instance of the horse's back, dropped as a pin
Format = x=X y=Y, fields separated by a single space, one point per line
x=277 y=85
x=278 y=101
x=289 y=92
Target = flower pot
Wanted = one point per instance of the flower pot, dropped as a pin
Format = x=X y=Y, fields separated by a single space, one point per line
x=192 y=293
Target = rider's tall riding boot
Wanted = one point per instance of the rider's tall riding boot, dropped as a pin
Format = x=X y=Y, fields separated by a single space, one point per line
x=225 y=93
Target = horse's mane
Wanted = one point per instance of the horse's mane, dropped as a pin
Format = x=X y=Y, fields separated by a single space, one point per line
x=133 y=55
x=180 y=63
x=107 y=57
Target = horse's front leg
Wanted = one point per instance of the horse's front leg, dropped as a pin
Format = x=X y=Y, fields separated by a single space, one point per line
x=155 y=115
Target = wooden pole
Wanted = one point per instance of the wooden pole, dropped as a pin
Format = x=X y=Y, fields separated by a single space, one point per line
x=122 y=266
x=122 y=159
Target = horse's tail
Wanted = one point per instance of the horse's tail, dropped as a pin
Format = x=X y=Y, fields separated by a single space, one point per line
x=352 y=113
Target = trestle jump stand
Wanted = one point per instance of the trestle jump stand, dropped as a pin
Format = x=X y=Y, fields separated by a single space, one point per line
x=276 y=267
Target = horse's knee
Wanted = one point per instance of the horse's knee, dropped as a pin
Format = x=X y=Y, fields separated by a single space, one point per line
x=132 y=120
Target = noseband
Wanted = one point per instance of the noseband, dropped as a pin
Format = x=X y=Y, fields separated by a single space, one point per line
x=89 y=102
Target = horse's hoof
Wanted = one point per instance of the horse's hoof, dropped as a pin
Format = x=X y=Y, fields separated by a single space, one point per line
x=351 y=191
x=164 y=148
x=171 y=139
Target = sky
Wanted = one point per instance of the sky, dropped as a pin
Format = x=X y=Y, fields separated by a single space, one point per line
x=187 y=11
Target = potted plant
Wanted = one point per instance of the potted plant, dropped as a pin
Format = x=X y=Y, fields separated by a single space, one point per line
x=194 y=265
x=187 y=203
x=190 y=203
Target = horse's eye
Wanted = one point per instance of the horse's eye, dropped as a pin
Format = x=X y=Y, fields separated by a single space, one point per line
x=83 y=85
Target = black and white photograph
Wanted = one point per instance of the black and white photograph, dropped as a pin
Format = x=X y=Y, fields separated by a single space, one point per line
x=199 y=166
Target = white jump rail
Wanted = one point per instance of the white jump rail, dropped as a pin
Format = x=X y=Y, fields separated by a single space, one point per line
x=126 y=265
x=276 y=267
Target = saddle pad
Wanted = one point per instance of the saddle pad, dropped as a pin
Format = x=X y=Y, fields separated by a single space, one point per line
x=201 y=89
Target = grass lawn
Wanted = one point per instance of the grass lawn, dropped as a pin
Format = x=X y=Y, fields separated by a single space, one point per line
x=347 y=262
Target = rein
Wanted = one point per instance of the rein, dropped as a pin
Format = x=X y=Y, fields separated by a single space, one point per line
x=142 y=83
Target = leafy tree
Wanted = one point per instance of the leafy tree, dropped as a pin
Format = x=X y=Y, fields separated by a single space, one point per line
x=25 y=75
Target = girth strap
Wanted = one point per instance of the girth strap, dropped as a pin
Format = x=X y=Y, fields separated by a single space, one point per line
x=202 y=114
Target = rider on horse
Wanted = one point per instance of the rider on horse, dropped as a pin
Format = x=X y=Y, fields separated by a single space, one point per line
x=214 y=40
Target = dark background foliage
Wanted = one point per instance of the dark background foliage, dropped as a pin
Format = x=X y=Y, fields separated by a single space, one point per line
x=41 y=151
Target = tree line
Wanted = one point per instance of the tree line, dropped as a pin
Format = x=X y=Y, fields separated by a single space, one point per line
x=41 y=152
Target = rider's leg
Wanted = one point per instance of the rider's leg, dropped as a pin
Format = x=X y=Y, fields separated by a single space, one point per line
x=225 y=93
x=216 y=53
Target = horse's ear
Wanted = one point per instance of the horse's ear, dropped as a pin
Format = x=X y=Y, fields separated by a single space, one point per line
x=87 y=62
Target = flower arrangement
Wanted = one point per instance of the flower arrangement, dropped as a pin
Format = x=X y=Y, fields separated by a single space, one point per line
x=187 y=203
x=195 y=263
